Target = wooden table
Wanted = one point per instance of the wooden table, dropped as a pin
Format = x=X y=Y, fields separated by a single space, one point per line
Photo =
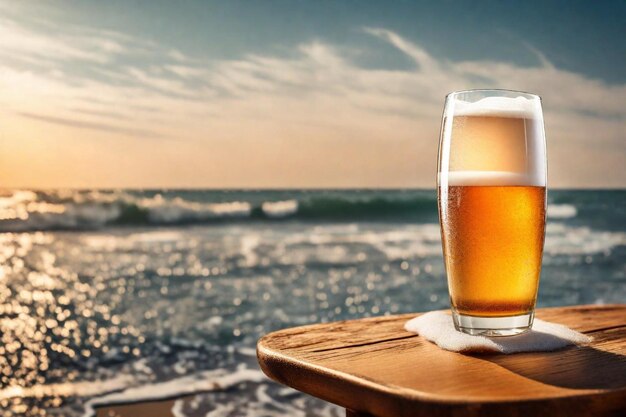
x=374 y=367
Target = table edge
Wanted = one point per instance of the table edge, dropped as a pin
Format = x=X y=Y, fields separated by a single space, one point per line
x=272 y=363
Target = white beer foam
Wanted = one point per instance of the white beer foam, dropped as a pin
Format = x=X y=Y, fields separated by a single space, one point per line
x=520 y=107
x=502 y=178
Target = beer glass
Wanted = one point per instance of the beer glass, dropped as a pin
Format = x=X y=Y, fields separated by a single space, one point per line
x=492 y=208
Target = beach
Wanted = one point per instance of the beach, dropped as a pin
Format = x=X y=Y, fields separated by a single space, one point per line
x=131 y=303
x=148 y=409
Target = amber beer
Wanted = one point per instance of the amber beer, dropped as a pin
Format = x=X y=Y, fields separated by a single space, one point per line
x=493 y=241
x=492 y=208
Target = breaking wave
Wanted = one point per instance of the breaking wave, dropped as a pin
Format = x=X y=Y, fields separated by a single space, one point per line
x=24 y=210
x=205 y=381
x=75 y=210
x=561 y=211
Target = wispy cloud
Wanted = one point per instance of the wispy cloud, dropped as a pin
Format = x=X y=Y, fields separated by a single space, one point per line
x=92 y=125
x=316 y=92
x=61 y=44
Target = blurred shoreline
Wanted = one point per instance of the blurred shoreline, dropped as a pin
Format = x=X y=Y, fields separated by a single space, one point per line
x=161 y=408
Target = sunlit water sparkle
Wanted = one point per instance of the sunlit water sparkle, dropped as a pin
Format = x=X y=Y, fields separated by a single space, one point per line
x=116 y=314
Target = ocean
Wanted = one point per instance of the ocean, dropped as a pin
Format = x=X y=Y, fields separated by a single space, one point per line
x=118 y=296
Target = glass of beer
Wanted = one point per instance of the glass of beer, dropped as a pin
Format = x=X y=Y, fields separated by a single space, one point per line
x=492 y=208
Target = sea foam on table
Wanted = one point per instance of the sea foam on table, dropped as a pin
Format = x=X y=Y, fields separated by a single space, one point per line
x=438 y=327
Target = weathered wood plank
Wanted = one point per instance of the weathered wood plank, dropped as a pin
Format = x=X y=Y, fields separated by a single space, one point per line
x=374 y=366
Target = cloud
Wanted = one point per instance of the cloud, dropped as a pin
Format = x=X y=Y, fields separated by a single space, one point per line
x=105 y=114
x=92 y=125
x=419 y=55
x=317 y=92
x=86 y=45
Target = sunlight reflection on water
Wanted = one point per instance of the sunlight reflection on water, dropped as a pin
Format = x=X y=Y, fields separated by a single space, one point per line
x=87 y=313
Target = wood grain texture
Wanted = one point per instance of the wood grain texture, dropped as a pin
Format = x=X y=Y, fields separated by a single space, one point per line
x=374 y=366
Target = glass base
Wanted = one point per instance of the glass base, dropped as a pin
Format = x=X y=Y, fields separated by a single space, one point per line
x=493 y=326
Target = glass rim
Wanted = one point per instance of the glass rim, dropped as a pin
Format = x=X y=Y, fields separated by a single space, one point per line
x=479 y=90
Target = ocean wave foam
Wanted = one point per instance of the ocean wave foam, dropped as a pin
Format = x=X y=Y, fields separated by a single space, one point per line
x=68 y=389
x=212 y=380
x=28 y=211
x=280 y=208
x=165 y=211
x=565 y=240
x=561 y=211
x=420 y=241
x=127 y=389
x=22 y=211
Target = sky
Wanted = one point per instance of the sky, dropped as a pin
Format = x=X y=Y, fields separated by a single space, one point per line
x=295 y=94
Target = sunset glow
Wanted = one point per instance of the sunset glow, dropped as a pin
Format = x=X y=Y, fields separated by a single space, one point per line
x=84 y=105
